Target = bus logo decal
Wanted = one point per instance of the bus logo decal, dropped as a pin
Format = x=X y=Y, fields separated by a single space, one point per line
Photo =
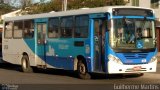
x=50 y=51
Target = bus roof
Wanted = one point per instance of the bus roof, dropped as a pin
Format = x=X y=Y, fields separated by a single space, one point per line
x=70 y=12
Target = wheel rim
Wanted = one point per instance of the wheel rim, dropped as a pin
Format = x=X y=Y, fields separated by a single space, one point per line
x=82 y=69
x=24 y=63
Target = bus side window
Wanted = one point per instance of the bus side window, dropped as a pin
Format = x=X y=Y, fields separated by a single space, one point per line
x=66 y=27
x=81 y=26
x=28 y=29
x=8 y=29
x=18 y=27
x=53 y=28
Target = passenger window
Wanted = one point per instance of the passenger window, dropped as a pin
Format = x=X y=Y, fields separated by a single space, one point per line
x=53 y=28
x=8 y=29
x=81 y=27
x=18 y=27
x=66 y=27
x=28 y=29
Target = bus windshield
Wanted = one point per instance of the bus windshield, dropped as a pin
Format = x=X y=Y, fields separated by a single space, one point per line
x=129 y=33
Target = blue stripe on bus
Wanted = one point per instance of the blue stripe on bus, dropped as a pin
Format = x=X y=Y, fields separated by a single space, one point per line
x=41 y=20
x=92 y=43
x=107 y=51
x=132 y=17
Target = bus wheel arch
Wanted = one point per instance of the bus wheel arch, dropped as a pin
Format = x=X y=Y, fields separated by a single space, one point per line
x=25 y=64
x=82 y=68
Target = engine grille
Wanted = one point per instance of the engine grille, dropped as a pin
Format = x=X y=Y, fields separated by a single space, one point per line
x=135 y=55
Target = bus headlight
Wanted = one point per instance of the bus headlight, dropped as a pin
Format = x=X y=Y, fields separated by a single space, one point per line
x=154 y=58
x=114 y=58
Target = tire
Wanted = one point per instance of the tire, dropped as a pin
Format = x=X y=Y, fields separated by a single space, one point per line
x=25 y=65
x=82 y=70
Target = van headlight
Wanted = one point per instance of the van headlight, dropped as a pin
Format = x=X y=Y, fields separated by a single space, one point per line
x=154 y=58
x=114 y=58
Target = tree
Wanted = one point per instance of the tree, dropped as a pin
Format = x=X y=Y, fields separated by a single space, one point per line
x=117 y=2
x=56 y=5
x=1 y=1
x=25 y=3
x=5 y=8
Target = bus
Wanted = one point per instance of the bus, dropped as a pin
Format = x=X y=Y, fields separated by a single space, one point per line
x=109 y=40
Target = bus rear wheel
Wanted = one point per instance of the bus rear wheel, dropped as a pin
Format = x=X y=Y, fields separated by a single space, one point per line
x=25 y=65
x=82 y=70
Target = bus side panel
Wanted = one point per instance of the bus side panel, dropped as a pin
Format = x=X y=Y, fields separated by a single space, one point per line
x=13 y=50
x=31 y=54
x=11 y=54
x=60 y=53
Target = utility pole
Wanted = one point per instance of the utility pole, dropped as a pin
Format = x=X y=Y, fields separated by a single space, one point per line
x=65 y=8
x=64 y=5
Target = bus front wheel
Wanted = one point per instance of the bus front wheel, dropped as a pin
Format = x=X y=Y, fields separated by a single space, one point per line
x=82 y=70
x=25 y=65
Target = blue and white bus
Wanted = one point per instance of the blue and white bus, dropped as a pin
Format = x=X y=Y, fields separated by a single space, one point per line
x=111 y=40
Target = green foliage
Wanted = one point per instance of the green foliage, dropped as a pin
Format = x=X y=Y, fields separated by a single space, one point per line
x=117 y=2
x=5 y=8
x=86 y=3
x=56 y=5
x=1 y=21
x=45 y=7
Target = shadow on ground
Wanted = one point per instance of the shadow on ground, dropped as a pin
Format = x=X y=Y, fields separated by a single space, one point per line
x=60 y=72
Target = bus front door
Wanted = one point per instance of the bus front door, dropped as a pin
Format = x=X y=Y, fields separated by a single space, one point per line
x=41 y=41
x=99 y=34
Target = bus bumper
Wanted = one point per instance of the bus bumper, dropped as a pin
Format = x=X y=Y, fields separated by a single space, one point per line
x=116 y=68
